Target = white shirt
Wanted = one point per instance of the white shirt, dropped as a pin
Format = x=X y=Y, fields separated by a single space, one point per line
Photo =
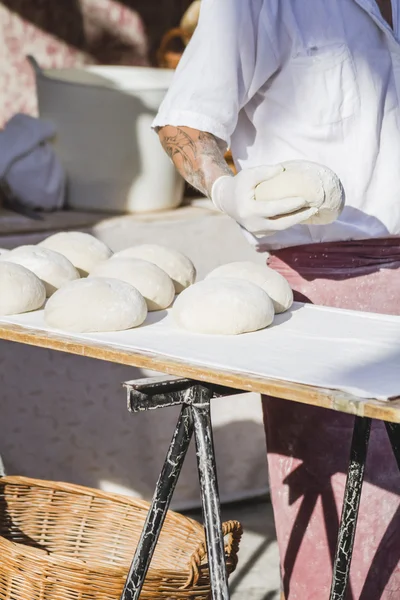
x=301 y=79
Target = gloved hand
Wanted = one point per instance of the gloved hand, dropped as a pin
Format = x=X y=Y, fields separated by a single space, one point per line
x=235 y=196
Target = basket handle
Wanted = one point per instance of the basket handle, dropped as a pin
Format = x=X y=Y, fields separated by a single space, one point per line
x=234 y=531
x=173 y=34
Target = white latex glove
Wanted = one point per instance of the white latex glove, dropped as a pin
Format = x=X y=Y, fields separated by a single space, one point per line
x=235 y=196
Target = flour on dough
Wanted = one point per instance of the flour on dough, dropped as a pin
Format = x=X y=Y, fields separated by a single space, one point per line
x=82 y=249
x=223 y=306
x=273 y=283
x=174 y=263
x=90 y=305
x=317 y=184
x=152 y=282
x=51 y=267
x=20 y=290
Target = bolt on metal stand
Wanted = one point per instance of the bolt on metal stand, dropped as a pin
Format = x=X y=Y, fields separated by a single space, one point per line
x=194 y=397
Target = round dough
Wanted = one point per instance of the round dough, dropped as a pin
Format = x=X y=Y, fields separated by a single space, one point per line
x=276 y=286
x=20 y=290
x=152 y=282
x=90 y=305
x=223 y=306
x=82 y=249
x=317 y=184
x=174 y=263
x=51 y=267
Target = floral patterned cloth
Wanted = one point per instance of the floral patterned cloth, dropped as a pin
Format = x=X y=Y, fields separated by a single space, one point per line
x=60 y=35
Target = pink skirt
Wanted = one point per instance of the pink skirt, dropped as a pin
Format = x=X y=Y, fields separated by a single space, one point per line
x=309 y=447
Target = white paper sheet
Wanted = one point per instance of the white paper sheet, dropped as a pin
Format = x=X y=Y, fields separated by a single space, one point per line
x=344 y=350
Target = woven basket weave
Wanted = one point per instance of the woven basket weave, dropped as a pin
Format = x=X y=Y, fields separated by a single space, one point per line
x=66 y=542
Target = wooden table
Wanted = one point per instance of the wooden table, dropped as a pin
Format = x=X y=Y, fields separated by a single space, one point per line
x=193 y=385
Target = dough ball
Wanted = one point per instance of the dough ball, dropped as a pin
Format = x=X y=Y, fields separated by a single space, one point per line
x=20 y=290
x=82 y=249
x=276 y=286
x=317 y=184
x=90 y=305
x=152 y=282
x=51 y=267
x=4 y=251
x=223 y=306
x=174 y=263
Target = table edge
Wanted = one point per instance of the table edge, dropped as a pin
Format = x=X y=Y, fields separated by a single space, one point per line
x=296 y=392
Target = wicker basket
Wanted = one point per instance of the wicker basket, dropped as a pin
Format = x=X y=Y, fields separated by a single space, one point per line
x=66 y=542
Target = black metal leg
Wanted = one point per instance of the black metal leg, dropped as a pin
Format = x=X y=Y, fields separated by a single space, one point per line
x=393 y=431
x=209 y=494
x=160 y=504
x=351 y=504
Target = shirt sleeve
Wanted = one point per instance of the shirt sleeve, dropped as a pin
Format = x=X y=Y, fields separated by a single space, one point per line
x=229 y=57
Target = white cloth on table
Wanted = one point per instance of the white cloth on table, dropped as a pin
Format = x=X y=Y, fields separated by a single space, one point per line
x=71 y=423
x=345 y=350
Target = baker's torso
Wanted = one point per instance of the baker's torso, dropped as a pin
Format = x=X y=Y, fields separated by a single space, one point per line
x=334 y=99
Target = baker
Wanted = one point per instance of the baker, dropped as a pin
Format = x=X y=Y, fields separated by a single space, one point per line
x=319 y=80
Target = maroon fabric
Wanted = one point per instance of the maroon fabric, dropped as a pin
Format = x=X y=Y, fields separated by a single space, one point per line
x=308 y=447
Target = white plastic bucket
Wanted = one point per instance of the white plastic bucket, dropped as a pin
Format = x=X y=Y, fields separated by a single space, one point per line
x=103 y=115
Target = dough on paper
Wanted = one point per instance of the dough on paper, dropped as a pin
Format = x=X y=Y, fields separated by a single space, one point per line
x=178 y=266
x=223 y=306
x=82 y=249
x=20 y=290
x=51 y=267
x=152 y=282
x=317 y=184
x=90 y=305
x=276 y=286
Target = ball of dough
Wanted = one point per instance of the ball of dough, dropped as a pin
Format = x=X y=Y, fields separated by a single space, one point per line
x=174 y=263
x=51 y=267
x=317 y=184
x=152 y=282
x=276 y=286
x=90 y=305
x=82 y=249
x=20 y=290
x=223 y=306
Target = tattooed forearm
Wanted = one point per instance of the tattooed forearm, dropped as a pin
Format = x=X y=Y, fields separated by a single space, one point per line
x=196 y=155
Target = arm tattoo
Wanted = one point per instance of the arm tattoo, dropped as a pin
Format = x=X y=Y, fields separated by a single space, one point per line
x=196 y=155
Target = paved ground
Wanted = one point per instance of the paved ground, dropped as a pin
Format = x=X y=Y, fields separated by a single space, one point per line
x=257 y=574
